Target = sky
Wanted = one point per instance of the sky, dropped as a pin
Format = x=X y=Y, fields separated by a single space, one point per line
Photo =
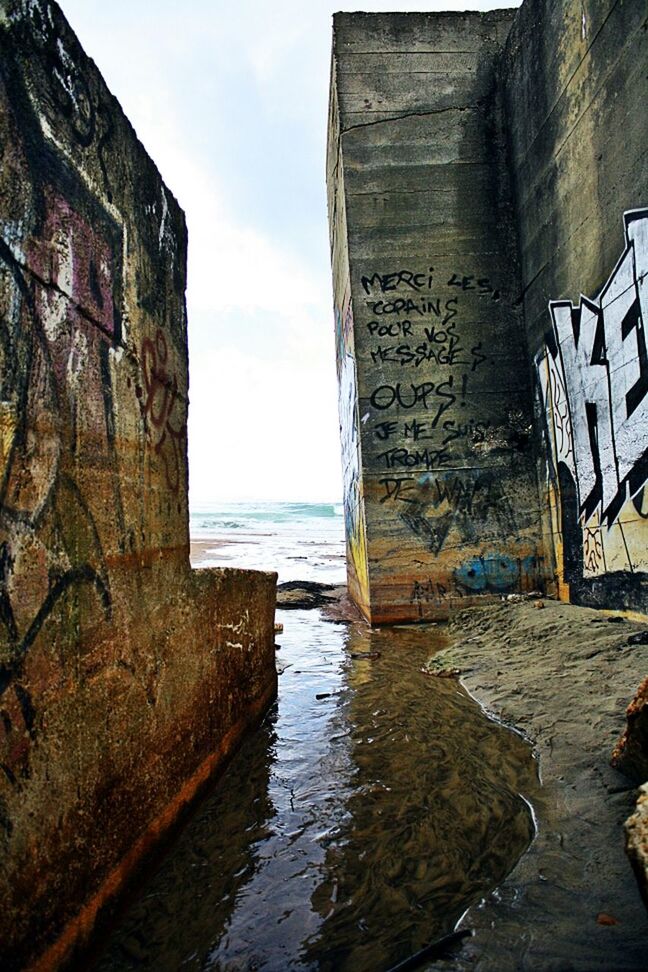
x=230 y=100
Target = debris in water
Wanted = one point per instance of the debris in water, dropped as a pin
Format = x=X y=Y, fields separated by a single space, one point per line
x=437 y=950
x=604 y=919
x=442 y=672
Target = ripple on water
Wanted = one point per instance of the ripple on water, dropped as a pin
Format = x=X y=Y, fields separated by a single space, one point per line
x=372 y=807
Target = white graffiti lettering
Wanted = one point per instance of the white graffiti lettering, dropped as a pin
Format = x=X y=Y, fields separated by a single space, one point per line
x=594 y=382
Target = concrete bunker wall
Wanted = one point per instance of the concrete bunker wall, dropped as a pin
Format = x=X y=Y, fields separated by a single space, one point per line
x=574 y=77
x=125 y=677
x=507 y=152
x=441 y=500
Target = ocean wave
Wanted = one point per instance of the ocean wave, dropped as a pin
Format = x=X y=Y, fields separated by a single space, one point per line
x=301 y=541
x=216 y=523
x=235 y=516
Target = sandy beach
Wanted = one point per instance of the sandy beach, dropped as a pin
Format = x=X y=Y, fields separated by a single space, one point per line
x=200 y=549
x=563 y=676
x=298 y=541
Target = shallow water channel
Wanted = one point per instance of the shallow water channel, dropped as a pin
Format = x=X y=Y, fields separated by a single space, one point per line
x=372 y=807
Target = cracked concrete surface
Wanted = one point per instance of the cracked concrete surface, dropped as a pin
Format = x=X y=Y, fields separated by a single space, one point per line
x=412 y=114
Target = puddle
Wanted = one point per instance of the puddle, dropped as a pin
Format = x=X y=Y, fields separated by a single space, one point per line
x=373 y=806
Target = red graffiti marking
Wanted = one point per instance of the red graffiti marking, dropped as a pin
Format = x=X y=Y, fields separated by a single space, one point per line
x=160 y=407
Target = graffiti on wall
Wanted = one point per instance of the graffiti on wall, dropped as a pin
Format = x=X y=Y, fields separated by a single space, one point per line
x=416 y=416
x=489 y=572
x=60 y=325
x=426 y=434
x=593 y=379
x=162 y=407
x=61 y=257
x=63 y=354
x=354 y=521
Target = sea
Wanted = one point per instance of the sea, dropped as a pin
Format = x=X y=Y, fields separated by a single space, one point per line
x=301 y=541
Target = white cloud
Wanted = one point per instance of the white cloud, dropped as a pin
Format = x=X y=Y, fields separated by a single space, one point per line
x=256 y=430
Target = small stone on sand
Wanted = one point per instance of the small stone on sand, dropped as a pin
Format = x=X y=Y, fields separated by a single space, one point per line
x=604 y=919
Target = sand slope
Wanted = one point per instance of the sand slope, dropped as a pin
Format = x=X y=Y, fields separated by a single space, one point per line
x=564 y=676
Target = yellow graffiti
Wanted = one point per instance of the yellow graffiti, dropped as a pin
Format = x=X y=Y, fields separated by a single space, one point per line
x=8 y=422
x=358 y=555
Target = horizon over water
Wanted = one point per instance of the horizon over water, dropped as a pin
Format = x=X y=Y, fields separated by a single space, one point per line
x=301 y=541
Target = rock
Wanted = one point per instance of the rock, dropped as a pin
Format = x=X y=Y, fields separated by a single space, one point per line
x=636 y=831
x=640 y=638
x=521 y=598
x=604 y=919
x=306 y=594
x=630 y=754
x=278 y=627
x=538 y=604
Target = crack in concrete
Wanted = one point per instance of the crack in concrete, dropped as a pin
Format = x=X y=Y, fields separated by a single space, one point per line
x=400 y=192
x=410 y=114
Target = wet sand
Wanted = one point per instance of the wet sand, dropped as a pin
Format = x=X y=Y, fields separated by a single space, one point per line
x=199 y=549
x=563 y=675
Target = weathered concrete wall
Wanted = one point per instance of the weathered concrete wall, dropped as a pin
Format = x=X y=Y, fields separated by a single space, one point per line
x=354 y=506
x=125 y=678
x=440 y=493
x=575 y=83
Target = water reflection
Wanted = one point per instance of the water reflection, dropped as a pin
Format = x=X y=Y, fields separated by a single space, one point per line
x=372 y=807
x=434 y=813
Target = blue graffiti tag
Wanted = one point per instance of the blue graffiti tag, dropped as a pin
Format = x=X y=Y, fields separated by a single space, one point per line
x=493 y=572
